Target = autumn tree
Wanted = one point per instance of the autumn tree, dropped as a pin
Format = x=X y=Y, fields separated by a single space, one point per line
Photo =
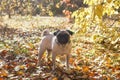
x=21 y=7
x=41 y=7
x=69 y=6
x=93 y=17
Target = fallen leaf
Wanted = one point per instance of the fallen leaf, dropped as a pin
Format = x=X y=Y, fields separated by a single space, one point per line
x=66 y=78
x=85 y=76
x=71 y=60
x=85 y=68
x=3 y=53
x=78 y=68
x=55 y=78
x=17 y=68
x=2 y=63
x=3 y=73
x=1 y=78
x=20 y=72
x=91 y=74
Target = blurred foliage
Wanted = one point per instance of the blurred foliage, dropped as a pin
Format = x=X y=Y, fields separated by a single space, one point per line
x=69 y=6
x=93 y=19
x=23 y=7
x=41 y=7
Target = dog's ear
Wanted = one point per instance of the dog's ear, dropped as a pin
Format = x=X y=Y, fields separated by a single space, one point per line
x=55 y=33
x=70 y=32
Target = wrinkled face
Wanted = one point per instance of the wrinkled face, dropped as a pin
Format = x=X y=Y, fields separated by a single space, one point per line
x=63 y=36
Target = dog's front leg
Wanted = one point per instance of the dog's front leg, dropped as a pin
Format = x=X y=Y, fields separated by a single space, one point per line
x=53 y=60
x=67 y=60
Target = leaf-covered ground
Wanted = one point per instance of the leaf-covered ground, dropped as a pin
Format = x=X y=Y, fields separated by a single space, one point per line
x=19 y=41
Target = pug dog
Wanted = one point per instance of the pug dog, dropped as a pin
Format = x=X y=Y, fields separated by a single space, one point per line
x=58 y=43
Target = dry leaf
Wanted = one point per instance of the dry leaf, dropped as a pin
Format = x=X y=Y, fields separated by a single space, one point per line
x=85 y=68
x=3 y=73
x=1 y=78
x=55 y=78
x=20 y=72
x=71 y=60
x=66 y=78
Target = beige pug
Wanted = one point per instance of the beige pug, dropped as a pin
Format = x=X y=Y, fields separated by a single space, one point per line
x=58 y=43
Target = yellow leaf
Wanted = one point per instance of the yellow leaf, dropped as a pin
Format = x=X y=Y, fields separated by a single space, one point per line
x=55 y=78
x=109 y=1
x=108 y=60
x=30 y=46
x=22 y=67
x=85 y=68
x=78 y=67
x=94 y=37
x=71 y=60
x=17 y=51
x=3 y=73
x=108 y=78
x=51 y=13
x=20 y=72
x=57 y=5
x=99 y=11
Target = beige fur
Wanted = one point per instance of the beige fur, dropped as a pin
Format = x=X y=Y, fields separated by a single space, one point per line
x=50 y=44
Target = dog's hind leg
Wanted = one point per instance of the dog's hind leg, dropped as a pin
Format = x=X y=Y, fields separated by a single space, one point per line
x=53 y=60
x=48 y=53
x=41 y=52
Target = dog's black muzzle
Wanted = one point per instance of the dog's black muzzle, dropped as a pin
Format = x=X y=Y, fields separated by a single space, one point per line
x=63 y=38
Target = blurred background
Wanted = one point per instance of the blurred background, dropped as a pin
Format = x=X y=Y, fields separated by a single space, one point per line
x=39 y=7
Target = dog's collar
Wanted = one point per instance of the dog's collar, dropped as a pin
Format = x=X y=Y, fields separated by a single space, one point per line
x=61 y=44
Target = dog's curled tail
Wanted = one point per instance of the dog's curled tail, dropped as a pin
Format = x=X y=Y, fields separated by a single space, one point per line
x=45 y=32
